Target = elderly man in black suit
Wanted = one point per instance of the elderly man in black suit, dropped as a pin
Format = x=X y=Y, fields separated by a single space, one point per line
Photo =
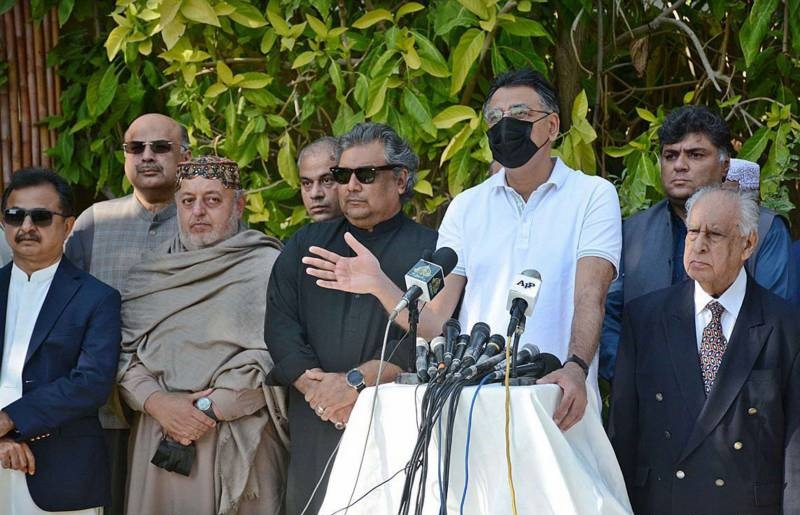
x=706 y=405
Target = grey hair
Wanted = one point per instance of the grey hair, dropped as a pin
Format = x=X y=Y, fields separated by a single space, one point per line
x=748 y=206
x=395 y=149
x=327 y=144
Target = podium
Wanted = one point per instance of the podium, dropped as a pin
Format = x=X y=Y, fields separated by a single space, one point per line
x=555 y=472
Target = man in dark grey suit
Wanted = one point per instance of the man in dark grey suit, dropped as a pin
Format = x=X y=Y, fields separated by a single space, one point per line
x=705 y=413
x=695 y=152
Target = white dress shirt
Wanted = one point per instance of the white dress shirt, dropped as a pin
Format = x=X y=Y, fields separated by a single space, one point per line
x=731 y=300
x=497 y=234
x=25 y=299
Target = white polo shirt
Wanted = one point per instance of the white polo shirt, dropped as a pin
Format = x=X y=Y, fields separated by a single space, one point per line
x=497 y=235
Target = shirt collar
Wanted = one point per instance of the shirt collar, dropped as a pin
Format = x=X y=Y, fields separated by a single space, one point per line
x=731 y=299
x=159 y=216
x=39 y=276
x=380 y=229
x=558 y=176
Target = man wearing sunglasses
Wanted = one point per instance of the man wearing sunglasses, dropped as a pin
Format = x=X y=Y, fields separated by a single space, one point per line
x=325 y=342
x=317 y=185
x=111 y=236
x=60 y=348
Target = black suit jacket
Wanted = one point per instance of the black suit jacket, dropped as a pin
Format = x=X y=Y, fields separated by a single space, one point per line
x=736 y=452
x=69 y=369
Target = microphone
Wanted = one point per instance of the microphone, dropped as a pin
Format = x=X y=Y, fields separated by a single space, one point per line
x=437 y=348
x=542 y=365
x=422 y=360
x=451 y=330
x=426 y=278
x=477 y=339
x=522 y=297
x=458 y=351
x=495 y=345
x=433 y=365
x=525 y=355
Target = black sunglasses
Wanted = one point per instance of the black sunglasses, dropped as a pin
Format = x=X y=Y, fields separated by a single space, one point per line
x=364 y=174
x=159 y=146
x=15 y=216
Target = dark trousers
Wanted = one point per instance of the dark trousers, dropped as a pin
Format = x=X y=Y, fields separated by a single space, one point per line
x=117 y=440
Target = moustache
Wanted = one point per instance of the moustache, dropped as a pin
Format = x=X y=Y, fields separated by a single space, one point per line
x=21 y=236
x=149 y=167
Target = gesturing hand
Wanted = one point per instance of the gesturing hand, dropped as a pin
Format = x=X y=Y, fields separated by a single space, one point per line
x=177 y=415
x=16 y=456
x=572 y=381
x=359 y=274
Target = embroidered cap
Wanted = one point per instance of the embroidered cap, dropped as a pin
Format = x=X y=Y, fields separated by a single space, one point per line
x=746 y=173
x=210 y=167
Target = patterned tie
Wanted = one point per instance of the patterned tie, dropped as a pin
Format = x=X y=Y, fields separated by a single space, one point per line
x=712 y=346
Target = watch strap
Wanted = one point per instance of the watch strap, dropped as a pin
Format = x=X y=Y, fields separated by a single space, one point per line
x=578 y=361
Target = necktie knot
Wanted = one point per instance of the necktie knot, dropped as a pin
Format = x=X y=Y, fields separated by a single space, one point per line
x=716 y=309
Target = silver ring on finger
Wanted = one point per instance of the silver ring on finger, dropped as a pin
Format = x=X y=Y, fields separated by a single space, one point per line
x=320 y=410
x=339 y=425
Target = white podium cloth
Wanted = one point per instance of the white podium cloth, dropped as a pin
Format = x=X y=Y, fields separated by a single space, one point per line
x=554 y=472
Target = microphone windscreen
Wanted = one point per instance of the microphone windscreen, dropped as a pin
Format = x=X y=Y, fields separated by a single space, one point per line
x=550 y=362
x=446 y=258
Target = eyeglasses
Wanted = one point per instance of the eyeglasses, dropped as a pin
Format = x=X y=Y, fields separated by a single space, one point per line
x=159 y=146
x=15 y=216
x=364 y=174
x=518 y=111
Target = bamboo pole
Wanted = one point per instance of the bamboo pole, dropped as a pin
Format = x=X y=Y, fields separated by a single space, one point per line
x=41 y=93
x=5 y=119
x=49 y=80
x=54 y=39
x=22 y=76
x=13 y=93
x=33 y=104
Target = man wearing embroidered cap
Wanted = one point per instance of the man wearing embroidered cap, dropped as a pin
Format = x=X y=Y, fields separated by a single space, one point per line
x=705 y=411
x=194 y=363
x=744 y=175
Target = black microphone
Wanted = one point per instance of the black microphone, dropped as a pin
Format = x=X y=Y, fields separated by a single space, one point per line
x=477 y=339
x=426 y=278
x=433 y=366
x=422 y=360
x=541 y=365
x=458 y=351
x=522 y=297
x=495 y=345
x=525 y=355
x=451 y=329
x=437 y=348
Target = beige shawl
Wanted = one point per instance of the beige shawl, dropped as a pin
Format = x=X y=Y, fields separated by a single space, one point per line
x=195 y=319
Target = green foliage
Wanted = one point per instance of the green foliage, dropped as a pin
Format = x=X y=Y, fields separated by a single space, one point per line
x=256 y=80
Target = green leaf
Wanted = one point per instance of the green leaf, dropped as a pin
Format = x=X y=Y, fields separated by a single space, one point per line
x=424 y=187
x=267 y=40
x=526 y=28
x=336 y=77
x=246 y=14
x=276 y=121
x=477 y=7
x=168 y=10
x=408 y=8
x=317 y=26
x=172 y=32
x=303 y=59
x=115 y=40
x=456 y=143
x=371 y=18
x=755 y=28
x=224 y=73
x=618 y=151
x=199 y=11
x=458 y=172
x=287 y=167
x=450 y=15
x=432 y=61
x=100 y=93
x=215 y=90
x=255 y=80
x=645 y=115
x=580 y=107
x=148 y=15
x=754 y=147
x=452 y=115
x=64 y=10
x=464 y=56
x=418 y=112
x=276 y=19
x=377 y=97
x=361 y=91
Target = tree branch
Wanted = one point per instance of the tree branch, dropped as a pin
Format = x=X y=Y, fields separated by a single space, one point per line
x=574 y=47
x=712 y=75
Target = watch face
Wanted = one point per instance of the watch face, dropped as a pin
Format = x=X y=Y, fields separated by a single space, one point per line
x=355 y=377
x=203 y=403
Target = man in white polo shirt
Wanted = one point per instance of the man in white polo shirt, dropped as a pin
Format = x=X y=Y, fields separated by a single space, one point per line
x=535 y=213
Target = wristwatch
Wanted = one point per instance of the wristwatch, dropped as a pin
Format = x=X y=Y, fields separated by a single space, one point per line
x=578 y=361
x=355 y=379
x=204 y=405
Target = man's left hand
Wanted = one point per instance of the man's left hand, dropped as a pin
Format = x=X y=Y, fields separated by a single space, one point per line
x=6 y=424
x=572 y=381
x=331 y=393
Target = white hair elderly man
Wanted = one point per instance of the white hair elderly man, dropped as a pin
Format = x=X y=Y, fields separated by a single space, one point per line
x=706 y=400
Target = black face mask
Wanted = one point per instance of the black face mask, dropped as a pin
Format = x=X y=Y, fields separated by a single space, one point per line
x=510 y=142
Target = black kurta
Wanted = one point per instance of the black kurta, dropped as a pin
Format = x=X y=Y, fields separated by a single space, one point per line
x=308 y=326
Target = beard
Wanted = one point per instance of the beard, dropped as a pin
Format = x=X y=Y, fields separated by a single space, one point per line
x=209 y=238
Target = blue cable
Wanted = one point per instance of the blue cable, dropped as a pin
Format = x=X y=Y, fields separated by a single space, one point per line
x=469 y=433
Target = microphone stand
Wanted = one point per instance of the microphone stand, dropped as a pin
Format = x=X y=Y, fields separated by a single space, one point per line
x=413 y=319
x=518 y=330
